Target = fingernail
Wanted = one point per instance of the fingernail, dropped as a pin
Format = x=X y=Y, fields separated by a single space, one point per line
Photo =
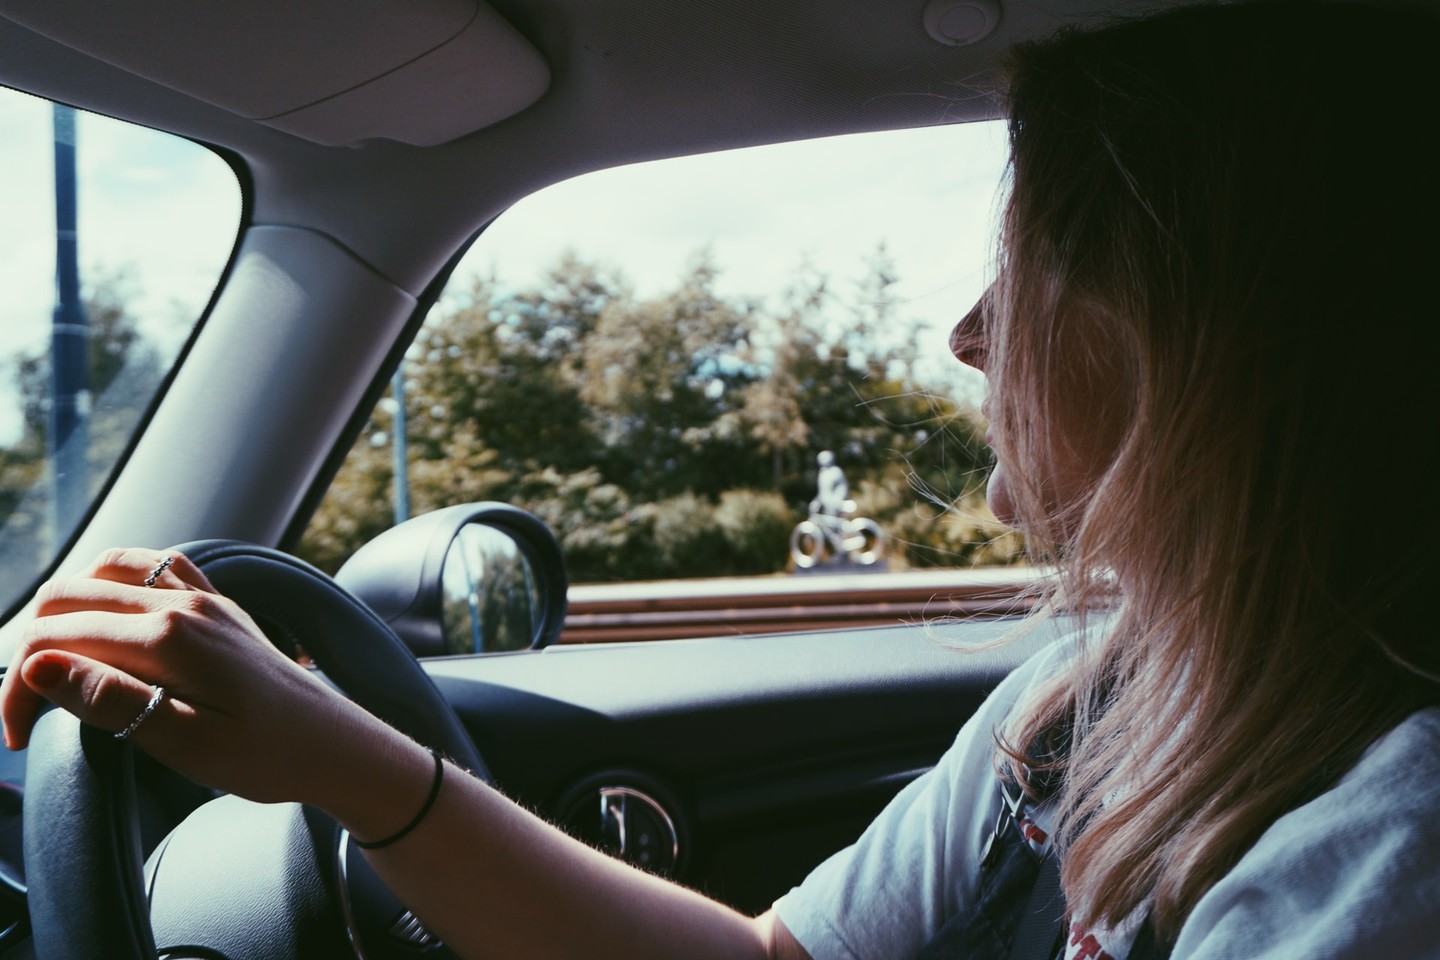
x=47 y=672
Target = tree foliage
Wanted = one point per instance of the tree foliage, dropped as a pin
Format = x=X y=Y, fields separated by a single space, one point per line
x=674 y=435
x=666 y=436
x=123 y=372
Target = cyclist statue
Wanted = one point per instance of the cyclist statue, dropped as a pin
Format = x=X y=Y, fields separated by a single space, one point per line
x=833 y=532
x=833 y=496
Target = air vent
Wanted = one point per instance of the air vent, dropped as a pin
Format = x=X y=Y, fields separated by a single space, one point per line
x=626 y=821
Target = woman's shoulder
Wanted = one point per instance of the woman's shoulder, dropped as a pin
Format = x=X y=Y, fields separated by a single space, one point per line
x=1415 y=740
x=1394 y=789
x=1353 y=872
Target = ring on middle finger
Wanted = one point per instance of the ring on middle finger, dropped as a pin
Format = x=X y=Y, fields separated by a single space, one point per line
x=160 y=568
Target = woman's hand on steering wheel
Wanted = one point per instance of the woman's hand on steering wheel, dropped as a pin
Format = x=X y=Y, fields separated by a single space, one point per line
x=237 y=714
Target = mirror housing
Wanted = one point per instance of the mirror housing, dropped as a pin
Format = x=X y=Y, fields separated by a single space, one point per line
x=401 y=573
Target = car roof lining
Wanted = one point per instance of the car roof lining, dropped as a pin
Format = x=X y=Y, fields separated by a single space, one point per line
x=335 y=72
x=630 y=81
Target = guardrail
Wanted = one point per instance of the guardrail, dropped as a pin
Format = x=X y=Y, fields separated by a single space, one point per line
x=676 y=609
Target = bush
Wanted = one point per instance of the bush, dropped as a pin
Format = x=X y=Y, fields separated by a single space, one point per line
x=756 y=528
x=964 y=534
x=687 y=540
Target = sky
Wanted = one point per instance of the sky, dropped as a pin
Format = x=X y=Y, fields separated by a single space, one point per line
x=930 y=195
x=162 y=211
x=165 y=211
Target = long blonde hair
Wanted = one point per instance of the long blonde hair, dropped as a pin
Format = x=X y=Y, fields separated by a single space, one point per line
x=1226 y=211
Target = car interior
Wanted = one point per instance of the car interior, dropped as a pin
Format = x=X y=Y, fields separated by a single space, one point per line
x=372 y=143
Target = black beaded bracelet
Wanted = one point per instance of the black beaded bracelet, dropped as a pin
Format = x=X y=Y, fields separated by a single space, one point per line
x=429 y=802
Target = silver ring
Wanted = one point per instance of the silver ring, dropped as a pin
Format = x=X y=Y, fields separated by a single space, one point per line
x=160 y=568
x=144 y=715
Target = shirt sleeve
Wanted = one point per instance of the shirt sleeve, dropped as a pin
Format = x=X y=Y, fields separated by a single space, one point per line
x=887 y=894
x=1351 y=874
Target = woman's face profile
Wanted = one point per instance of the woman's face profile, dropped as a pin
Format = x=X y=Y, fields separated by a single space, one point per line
x=1087 y=419
x=970 y=344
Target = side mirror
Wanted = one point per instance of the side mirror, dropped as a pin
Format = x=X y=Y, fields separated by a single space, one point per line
x=473 y=578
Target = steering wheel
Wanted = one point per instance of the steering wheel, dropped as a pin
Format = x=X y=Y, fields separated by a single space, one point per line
x=81 y=828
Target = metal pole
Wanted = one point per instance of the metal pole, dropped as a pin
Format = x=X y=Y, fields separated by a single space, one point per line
x=401 y=447
x=69 y=344
x=472 y=600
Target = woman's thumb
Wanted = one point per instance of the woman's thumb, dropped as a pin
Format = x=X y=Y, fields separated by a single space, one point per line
x=95 y=692
x=45 y=671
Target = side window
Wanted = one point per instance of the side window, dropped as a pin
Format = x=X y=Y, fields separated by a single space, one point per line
x=711 y=366
x=114 y=237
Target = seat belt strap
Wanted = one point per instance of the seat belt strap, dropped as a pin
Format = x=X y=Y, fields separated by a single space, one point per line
x=1043 y=921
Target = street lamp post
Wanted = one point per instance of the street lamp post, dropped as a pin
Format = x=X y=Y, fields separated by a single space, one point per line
x=399 y=435
x=69 y=343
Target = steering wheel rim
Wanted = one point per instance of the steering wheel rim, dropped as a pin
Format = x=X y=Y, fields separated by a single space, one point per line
x=81 y=827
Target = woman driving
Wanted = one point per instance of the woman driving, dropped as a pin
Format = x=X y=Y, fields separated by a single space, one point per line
x=1212 y=302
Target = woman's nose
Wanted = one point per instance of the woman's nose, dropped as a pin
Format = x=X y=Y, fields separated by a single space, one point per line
x=970 y=341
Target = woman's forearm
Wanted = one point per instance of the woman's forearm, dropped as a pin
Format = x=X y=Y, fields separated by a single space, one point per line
x=492 y=880
x=237 y=715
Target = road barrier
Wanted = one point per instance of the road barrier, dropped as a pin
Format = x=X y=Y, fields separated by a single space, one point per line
x=676 y=609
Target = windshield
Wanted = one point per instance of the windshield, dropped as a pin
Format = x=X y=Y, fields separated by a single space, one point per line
x=719 y=366
x=114 y=238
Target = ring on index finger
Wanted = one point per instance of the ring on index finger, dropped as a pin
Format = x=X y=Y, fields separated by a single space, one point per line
x=160 y=568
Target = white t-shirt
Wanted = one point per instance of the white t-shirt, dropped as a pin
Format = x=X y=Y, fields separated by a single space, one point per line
x=1353 y=873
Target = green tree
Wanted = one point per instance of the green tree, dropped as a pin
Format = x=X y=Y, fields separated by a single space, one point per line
x=484 y=369
x=124 y=370
x=781 y=350
x=664 y=382
x=673 y=435
x=115 y=347
x=560 y=314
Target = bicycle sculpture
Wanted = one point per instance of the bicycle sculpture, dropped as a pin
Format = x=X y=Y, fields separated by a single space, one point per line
x=833 y=533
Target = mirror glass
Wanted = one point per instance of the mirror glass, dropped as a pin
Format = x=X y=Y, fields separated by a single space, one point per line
x=491 y=600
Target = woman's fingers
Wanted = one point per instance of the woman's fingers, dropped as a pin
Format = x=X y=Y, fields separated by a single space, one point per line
x=140 y=643
x=238 y=714
x=101 y=695
x=149 y=642
x=72 y=594
x=19 y=707
x=62 y=639
x=137 y=565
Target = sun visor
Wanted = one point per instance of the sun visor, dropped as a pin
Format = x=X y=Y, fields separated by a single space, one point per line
x=336 y=72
